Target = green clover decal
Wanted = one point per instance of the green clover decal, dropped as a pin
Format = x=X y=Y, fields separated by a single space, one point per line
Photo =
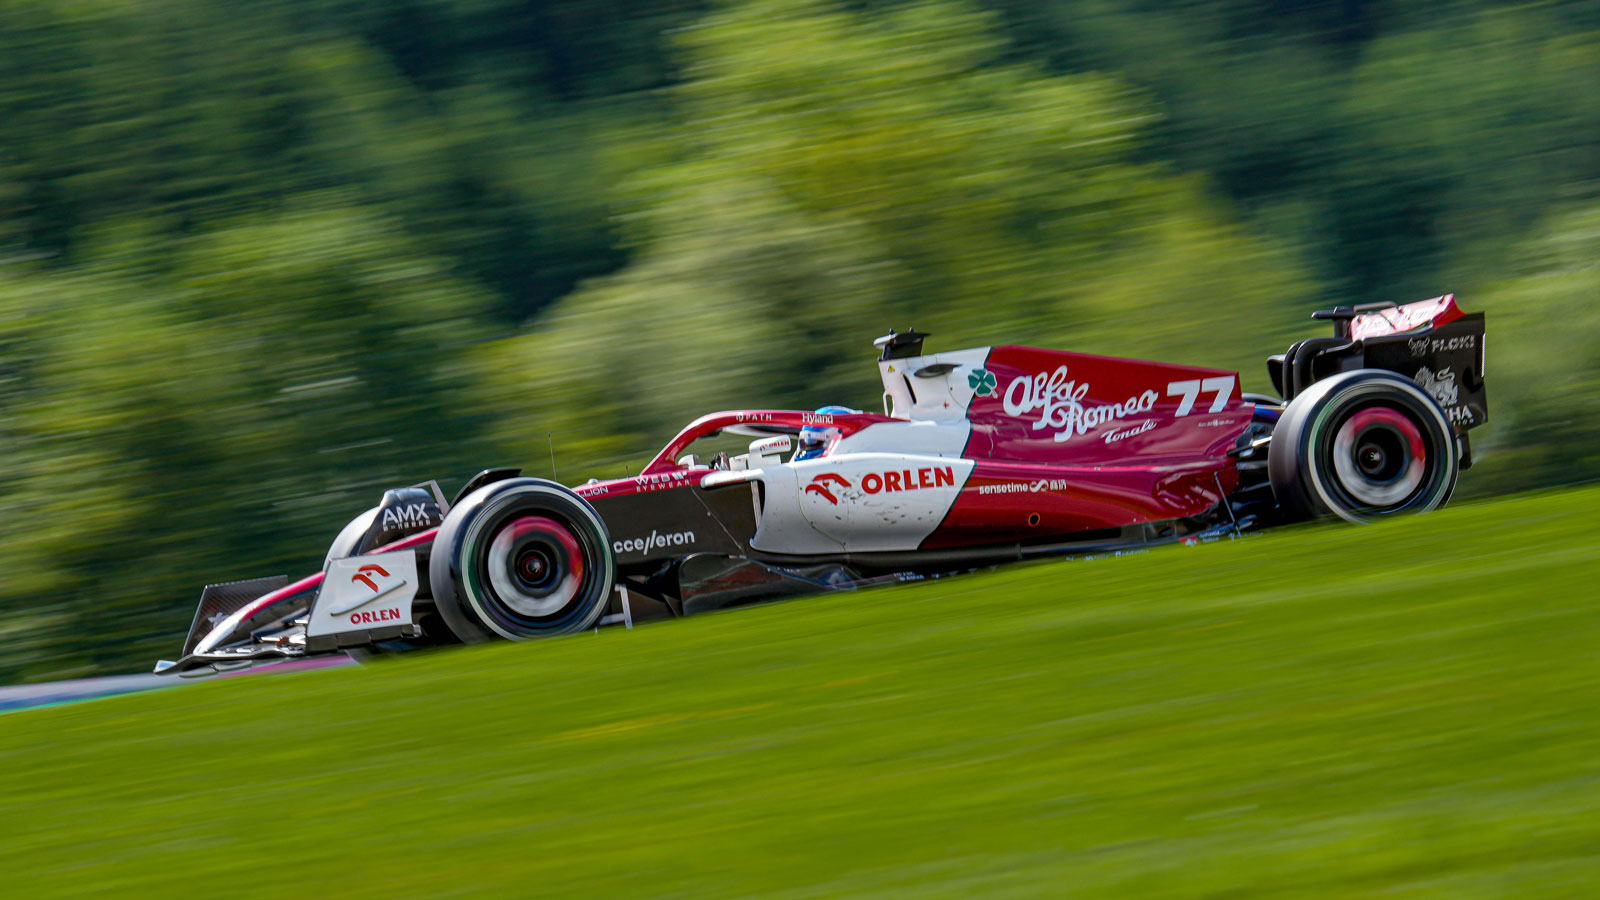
x=981 y=381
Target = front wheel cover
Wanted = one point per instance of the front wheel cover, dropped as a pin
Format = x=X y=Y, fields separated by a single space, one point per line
x=520 y=559
x=1362 y=446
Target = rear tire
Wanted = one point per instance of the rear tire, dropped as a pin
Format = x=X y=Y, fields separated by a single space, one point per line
x=1362 y=446
x=520 y=559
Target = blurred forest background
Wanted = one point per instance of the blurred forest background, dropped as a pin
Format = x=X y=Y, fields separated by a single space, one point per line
x=259 y=261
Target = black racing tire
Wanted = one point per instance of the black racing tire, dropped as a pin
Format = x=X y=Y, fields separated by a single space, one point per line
x=1362 y=446
x=520 y=559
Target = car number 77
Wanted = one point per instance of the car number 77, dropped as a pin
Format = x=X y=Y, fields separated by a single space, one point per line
x=1222 y=386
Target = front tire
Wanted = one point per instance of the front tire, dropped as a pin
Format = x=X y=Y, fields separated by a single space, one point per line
x=1363 y=446
x=520 y=559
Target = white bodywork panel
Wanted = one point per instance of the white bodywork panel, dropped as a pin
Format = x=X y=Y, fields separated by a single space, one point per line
x=889 y=485
x=365 y=592
x=860 y=502
x=781 y=527
x=914 y=438
x=938 y=398
x=768 y=451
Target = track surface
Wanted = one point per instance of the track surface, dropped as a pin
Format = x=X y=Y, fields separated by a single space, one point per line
x=15 y=698
x=1405 y=710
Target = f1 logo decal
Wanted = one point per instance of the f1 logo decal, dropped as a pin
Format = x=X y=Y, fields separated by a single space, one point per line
x=820 y=484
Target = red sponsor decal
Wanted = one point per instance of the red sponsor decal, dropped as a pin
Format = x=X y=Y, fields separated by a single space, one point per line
x=361 y=576
x=880 y=482
x=820 y=484
x=908 y=479
x=374 y=616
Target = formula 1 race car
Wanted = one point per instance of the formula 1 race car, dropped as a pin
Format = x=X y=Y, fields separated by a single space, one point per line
x=980 y=456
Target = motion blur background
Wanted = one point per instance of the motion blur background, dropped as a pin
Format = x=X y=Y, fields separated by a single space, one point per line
x=259 y=261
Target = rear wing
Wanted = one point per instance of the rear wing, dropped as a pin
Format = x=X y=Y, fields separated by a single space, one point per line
x=1431 y=342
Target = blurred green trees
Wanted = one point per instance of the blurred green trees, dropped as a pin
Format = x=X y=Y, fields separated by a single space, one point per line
x=258 y=262
x=847 y=171
x=223 y=409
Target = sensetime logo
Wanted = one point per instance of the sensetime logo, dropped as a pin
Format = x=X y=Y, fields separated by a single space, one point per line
x=655 y=540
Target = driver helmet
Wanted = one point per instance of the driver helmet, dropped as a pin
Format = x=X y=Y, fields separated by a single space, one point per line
x=815 y=439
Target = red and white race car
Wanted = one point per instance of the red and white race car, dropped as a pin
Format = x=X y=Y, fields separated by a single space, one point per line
x=979 y=456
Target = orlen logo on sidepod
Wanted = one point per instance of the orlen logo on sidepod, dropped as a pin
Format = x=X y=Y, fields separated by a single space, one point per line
x=824 y=484
x=820 y=486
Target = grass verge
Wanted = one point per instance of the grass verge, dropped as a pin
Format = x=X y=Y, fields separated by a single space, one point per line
x=1402 y=710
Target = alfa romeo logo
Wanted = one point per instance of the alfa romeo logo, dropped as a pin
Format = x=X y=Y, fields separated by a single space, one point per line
x=981 y=381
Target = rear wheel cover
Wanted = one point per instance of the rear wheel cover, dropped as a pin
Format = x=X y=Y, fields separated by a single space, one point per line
x=521 y=559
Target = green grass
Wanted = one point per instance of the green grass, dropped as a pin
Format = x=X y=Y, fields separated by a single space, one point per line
x=1404 y=710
